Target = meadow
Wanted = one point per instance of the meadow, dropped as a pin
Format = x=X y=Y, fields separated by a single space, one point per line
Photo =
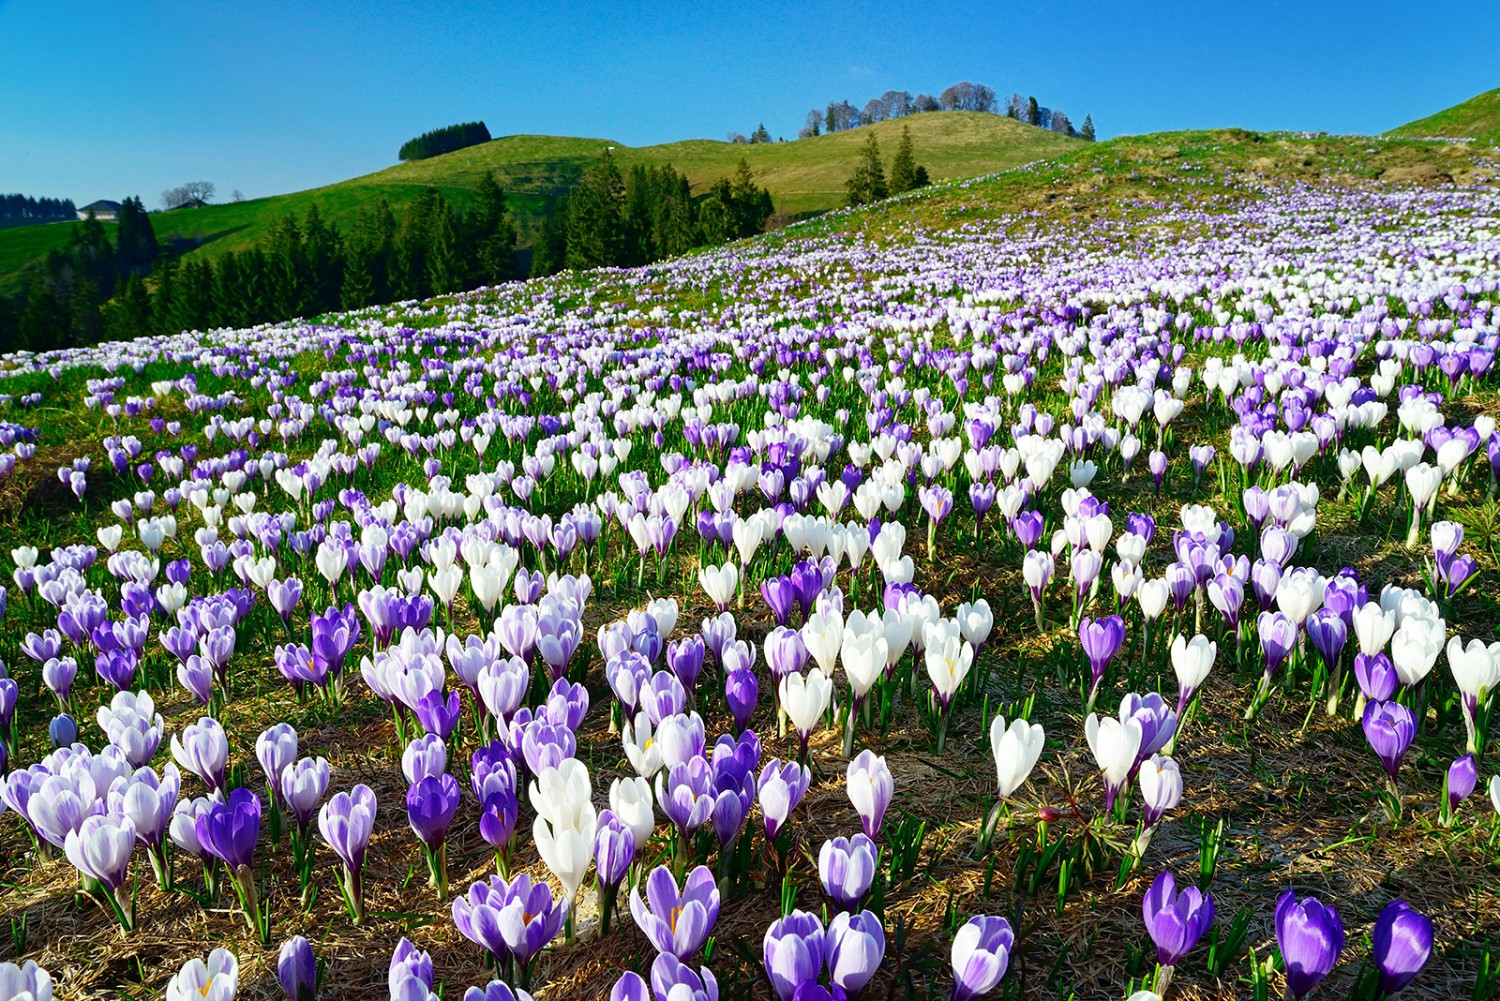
x=1075 y=582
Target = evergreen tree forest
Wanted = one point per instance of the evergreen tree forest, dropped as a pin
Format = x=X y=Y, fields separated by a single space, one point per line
x=95 y=289
x=92 y=289
x=615 y=218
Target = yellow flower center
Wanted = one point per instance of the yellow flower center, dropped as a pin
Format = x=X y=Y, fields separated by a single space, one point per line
x=674 y=914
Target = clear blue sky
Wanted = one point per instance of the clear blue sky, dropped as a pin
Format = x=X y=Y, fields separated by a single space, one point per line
x=106 y=99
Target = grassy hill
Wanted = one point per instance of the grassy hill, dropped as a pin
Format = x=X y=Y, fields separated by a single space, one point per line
x=805 y=176
x=1477 y=118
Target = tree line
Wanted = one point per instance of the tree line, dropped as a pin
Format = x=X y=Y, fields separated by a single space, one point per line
x=616 y=218
x=36 y=209
x=444 y=140
x=95 y=289
x=840 y=116
x=92 y=289
x=870 y=182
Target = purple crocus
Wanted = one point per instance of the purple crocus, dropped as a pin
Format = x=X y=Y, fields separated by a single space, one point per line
x=1100 y=640
x=1376 y=676
x=430 y=806
x=228 y=830
x=673 y=921
x=855 y=947
x=793 y=953
x=686 y=795
x=1175 y=921
x=297 y=969
x=614 y=851
x=741 y=691
x=780 y=789
x=981 y=955
x=1389 y=727
x=672 y=980
x=346 y=822
x=846 y=868
x=1400 y=945
x=1311 y=936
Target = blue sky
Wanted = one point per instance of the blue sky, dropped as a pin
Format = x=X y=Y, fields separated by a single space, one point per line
x=106 y=99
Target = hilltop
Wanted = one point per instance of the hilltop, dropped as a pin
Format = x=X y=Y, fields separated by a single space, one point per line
x=1477 y=118
x=804 y=176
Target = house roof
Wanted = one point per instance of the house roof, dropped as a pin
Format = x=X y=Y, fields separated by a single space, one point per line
x=102 y=205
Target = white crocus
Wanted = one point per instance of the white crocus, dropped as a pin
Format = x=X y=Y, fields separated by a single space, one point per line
x=1016 y=749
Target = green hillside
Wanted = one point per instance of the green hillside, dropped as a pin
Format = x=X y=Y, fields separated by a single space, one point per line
x=1477 y=118
x=803 y=177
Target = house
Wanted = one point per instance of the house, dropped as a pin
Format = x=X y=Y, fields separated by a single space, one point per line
x=103 y=210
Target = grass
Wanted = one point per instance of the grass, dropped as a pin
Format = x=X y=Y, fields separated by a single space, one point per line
x=1477 y=118
x=803 y=177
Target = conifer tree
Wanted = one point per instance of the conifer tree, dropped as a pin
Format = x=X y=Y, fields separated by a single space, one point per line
x=868 y=182
x=1087 y=132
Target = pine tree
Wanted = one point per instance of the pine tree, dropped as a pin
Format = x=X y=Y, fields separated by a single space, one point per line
x=1033 y=112
x=1087 y=132
x=493 y=233
x=549 y=253
x=868 y=182
x=322 y=255
x=128 y=314
x=43 y=319
x=716 y=219
x=903 y=165
x=596 y=217
x=135 y=240
x=751 y=203
x=444 y=269
x=760 y=135
x=412 y=277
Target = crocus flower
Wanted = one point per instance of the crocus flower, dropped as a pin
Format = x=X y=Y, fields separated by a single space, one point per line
x=793 y=951
x=215 y=980
x=1311 y=937
x=1016 y=749
x=529 y=917
x=1191 y=662
x=675 y=981
x=855 y=946
x=297 y=969
x=741 y=692
x=673 y=921
x=1400 y=945
x=1389 y=727
x=496 y=990
x=870 y=785
x=1176 y=921
x=981 y=955
x=203 y=750
x=780 y=788
x=846 y=868
x=101 y=849
x=346 y=822
x=228 y=830
x=430 y=806
x=1100 y=640
x=410 y=975
x=1114 y=744
x=26 y=982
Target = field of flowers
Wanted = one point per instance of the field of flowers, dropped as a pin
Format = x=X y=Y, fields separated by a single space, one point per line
x=944 y=601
